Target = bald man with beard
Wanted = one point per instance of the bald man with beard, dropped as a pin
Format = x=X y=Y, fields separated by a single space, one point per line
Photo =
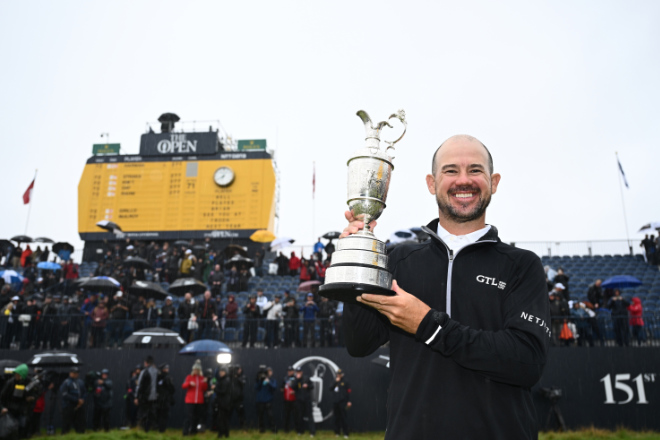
x=469 y=326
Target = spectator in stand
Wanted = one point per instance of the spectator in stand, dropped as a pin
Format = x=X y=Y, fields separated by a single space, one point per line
x=309 y=311
x=649 y=249
x=99 y=322
x=26 y=256
x=243 y=278
x=319 y=268
x=118 y=316
x=216 y=279
x=139 y=313
x=329 y=248
x=187 y=312
x=16 y=258
x=304 y=271
x=290 y=323
x=187 y=264
x=619 y=308
x=167 y=314
x=318 y=249
x=560 y=289
x=151 y=319
x=294 y=265
x=559 y=311
x=282 y=264
x=70 y=274
x=233 y=280
x=230 y=312
x=581 y=317
x=159 y=268
x=562 y=278
x=172 y=264
x=326 y=316
x=261 y=301
x=273 y=311
x=258 y=263
x=636 y=321
x=195 y=385
x=595 y=294
x=67 y=312
x=207 y=316
x=251 y=314
x=266 y=387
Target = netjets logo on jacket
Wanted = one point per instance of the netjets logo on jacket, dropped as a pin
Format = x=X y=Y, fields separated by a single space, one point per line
x=491 y=281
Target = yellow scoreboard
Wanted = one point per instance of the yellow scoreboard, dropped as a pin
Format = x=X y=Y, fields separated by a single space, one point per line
x=226 y=195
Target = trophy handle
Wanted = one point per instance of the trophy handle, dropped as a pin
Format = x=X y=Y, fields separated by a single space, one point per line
x=401 y=116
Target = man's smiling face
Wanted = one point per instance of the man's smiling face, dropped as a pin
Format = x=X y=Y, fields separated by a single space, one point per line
x=462 y=184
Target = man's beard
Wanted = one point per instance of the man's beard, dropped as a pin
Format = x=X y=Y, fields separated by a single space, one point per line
x=459 y=217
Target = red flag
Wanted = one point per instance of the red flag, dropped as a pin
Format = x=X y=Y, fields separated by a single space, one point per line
x=313 y=179
x=28 y=193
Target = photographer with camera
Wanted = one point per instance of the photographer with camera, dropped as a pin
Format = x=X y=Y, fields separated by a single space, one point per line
x=102 y=401
x=16 y=399
x=266 y=386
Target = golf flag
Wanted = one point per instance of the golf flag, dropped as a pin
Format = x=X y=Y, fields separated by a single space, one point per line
x=28 y=192
x=622 y=173
x=313 y=179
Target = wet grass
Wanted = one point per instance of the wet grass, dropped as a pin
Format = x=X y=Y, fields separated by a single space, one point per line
x=134 y=434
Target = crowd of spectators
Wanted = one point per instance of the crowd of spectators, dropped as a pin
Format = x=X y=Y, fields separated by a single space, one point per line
x=63 y=313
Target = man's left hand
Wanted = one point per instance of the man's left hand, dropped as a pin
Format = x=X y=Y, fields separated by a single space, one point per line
x=403 y=309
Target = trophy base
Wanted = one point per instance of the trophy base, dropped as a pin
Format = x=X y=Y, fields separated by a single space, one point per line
x=347 y=292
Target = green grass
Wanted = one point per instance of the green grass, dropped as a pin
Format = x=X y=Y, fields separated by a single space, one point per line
x=170 y=434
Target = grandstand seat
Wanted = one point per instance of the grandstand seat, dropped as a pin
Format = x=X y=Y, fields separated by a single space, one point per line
x=230 y=334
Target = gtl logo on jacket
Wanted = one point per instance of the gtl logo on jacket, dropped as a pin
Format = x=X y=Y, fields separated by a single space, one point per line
x=491 y=281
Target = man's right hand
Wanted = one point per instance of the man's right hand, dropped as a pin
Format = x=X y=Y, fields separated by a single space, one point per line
x=354 y=225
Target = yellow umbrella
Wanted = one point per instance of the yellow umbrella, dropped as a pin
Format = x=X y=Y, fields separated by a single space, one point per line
x=262 y=236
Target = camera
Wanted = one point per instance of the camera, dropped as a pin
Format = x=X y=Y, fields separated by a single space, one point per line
x=262 y=373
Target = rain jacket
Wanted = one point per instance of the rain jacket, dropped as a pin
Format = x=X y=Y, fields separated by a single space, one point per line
x=636 y=312
x=195 y=394
x=468 y=371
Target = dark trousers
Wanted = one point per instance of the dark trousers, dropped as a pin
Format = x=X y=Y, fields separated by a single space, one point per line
x=240 y=410
x=163 y=415
x=339 y=410
x=250 y=332
x=194 y=417
x=326 y=332
x=147 y=414
x=290 y=415
x=72 y=417
x=223 y=422
x=265 y=409
x=34 y=423
x=308 y=331
x=290 y=337
x=101 y=418
x=98 y=337
x=621 y=331
x=272 y=332
x=304 y=411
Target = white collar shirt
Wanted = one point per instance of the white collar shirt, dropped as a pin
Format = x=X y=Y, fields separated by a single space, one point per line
x=458 y=242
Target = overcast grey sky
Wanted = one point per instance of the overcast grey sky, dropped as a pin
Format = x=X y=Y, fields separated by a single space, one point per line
x=552 y=88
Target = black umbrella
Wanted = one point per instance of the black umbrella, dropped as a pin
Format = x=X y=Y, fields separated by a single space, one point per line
x=108 y=225
x=239 y=261
x=101 y=283
x=138 y=262
x=43 y=240
x=7 y=366
x=62 y=246
x=22 y=239
x=331 y=235
x=182 y=243
x=184 y=285
x=5 y=244
x=199 y=247
x=167 y=121
x=54 y=359
x=154 y=335
x=231 y=250
x=147 y=289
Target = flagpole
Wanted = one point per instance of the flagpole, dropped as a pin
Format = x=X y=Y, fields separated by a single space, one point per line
x=313 y=201
x=623 y=204
x=27 y=220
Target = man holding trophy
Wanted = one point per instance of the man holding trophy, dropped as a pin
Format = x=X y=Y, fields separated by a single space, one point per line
x=466 y=315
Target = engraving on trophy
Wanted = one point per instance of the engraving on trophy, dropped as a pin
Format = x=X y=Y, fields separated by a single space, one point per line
x=353 y=272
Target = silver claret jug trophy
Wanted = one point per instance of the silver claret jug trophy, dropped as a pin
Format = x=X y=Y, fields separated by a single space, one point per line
x=359 y=263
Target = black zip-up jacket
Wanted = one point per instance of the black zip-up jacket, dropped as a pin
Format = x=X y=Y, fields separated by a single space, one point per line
x=467 y=372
